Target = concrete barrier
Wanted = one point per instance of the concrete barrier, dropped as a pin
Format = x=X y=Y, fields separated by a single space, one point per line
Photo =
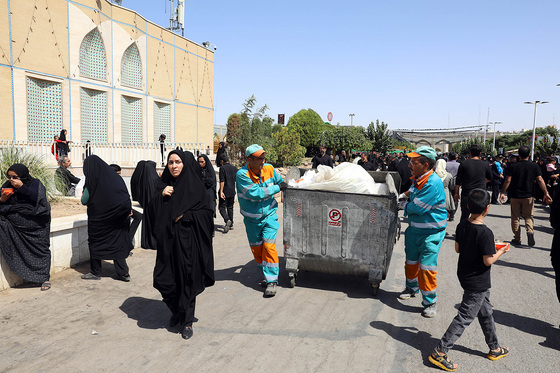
x=69 y=247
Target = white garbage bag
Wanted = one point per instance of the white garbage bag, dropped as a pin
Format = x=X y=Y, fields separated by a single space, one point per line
x=347 y=177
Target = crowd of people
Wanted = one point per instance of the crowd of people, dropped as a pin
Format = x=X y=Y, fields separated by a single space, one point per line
x=179 y=208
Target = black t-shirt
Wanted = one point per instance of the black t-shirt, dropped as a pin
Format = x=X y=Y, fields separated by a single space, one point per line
x=475 y=241
x=324 y=160
x=523 y=176
x=472 y=174
x=227 y=175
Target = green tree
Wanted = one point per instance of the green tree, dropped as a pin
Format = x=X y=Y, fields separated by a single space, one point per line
x=308 y=124
x=286 y=150
x=345 y=138
x=380 y=138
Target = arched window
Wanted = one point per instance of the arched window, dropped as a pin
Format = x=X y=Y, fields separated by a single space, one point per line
x=93 y=60
x=131 y=67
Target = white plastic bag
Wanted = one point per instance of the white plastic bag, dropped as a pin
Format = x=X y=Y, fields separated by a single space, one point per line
x=80 y=187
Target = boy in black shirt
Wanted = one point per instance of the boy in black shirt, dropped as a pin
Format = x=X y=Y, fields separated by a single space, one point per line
x=227 y=191
x=474 y=242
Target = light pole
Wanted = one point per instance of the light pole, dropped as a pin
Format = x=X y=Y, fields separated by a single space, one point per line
x=534 y=124
x=494 y=141
x=351 y=119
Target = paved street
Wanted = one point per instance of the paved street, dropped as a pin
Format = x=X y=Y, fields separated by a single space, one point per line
x=326 y=323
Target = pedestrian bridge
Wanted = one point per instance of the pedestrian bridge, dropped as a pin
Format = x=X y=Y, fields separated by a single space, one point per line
x=440 y=139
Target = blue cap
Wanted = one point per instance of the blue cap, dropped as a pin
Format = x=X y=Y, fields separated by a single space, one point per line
x=255 y=150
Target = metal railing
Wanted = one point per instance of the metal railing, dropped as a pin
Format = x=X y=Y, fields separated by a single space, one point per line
x=123 y=154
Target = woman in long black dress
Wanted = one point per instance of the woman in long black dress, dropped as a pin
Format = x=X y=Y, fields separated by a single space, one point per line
x=63 y=146
x=108 y=210
x=209 y=180
x=25 y=221
x=183 y=230
x=142 y=186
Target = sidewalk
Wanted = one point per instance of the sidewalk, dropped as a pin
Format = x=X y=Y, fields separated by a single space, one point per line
x=326 y=323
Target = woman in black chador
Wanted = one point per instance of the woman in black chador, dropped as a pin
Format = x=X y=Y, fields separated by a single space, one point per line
x=108 y=210
x=142 y=186
x=183 y=223
x=209 y=180
x=25 y=221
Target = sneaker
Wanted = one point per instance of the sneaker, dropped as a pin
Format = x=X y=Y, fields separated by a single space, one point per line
x=442 y=361
x=123 y=278
x=407 y=293
x=495 y=355
x=270 y=290
x=90 y=276
x=429 y=311
x=515 y=242
x=531 y=239
x=227 y=226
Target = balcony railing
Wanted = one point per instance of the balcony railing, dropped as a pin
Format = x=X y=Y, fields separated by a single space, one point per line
x=120 y=153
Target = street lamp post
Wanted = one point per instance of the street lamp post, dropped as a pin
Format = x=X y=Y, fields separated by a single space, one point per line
x=494 y=141
x=351 y=119
x=534 y=124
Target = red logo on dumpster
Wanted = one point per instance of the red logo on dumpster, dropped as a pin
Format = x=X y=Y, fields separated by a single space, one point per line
x=334 y=218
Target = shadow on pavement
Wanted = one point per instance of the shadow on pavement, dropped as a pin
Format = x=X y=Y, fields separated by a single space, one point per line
x=391 y=299
x=418 y=339
x=149 y=313
x=530 y=326
x=249 y=275
x=540 y=270
x=352 y=286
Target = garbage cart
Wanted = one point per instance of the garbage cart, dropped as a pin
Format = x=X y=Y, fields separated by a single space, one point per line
x=341 y=233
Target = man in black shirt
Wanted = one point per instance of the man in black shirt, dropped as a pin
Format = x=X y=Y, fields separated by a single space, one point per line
x=66 y=181
x=472 y=174
x=324 y=159
x=520 y=179
x=227 y=191
x=365 y=163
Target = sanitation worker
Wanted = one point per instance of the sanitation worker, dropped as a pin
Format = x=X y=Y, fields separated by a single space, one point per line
x=257 y=183
x=427 y=219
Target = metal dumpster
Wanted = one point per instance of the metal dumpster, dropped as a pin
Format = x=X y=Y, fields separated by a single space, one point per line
x=340 y=233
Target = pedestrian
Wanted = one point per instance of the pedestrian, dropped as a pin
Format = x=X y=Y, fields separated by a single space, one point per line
x=520 y=186
x=342 y=157
x=472 y=174
x=142 y=187
x=474 y=242
x=448 y=186
x=555 y=249
x=63 y=144
x=161 y=140
x=403 y=168
x=257 y=182
x=65 y=181
x=209 y=180
x=365 y=162
x=25 y=220
x=55 y=148
x=322 y=158
x=427 y=219
x=183 y=230
x=135 y=215
x=452 y=166
x=497 y=177
x=108 y=211
x=221 y=150
x=227 y=192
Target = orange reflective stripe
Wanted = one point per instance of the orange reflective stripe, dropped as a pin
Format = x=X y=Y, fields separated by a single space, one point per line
x=257 y=253
x=411 y=270
x=269 y=253
x=428 y=280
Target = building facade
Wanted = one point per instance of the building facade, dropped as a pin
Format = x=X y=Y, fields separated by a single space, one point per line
x=102 y=72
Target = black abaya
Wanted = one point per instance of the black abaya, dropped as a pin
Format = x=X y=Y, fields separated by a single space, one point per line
x=185 y=261
x=143 y=185
x=108 y=210
x=25 y=220
x=209 y=180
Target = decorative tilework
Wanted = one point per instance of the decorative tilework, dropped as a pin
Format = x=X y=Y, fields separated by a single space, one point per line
x=131 y=67
x=131 y=119
x=93 y=115
x=44 y=109
x=93 y=60
x=162 y=120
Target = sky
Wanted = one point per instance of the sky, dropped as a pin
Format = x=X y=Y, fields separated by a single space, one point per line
x=413 y=64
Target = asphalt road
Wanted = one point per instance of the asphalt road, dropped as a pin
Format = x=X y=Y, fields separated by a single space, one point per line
x=326 y=323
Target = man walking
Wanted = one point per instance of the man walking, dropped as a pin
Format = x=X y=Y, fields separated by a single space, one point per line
x=227 y=191
x=520 y=179
x=427 y=219
x=472 y=174
x=257 y=183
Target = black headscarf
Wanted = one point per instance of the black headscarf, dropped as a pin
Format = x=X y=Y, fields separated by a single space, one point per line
x=23 y=173
x=143 y=182
x=108 y=211
x=63 y=145
x=208 y=176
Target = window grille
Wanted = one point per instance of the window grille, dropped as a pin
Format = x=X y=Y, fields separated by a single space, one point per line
x=131 y=67
x=93 y=115
x=93 y=60
x=44 y=109
x=162 y=120
x=131 y=120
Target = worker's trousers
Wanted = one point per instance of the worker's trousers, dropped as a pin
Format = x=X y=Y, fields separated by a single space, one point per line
x=262 y=239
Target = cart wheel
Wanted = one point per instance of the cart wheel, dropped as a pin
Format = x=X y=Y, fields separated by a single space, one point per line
x=375 y=289
x=292 y=281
